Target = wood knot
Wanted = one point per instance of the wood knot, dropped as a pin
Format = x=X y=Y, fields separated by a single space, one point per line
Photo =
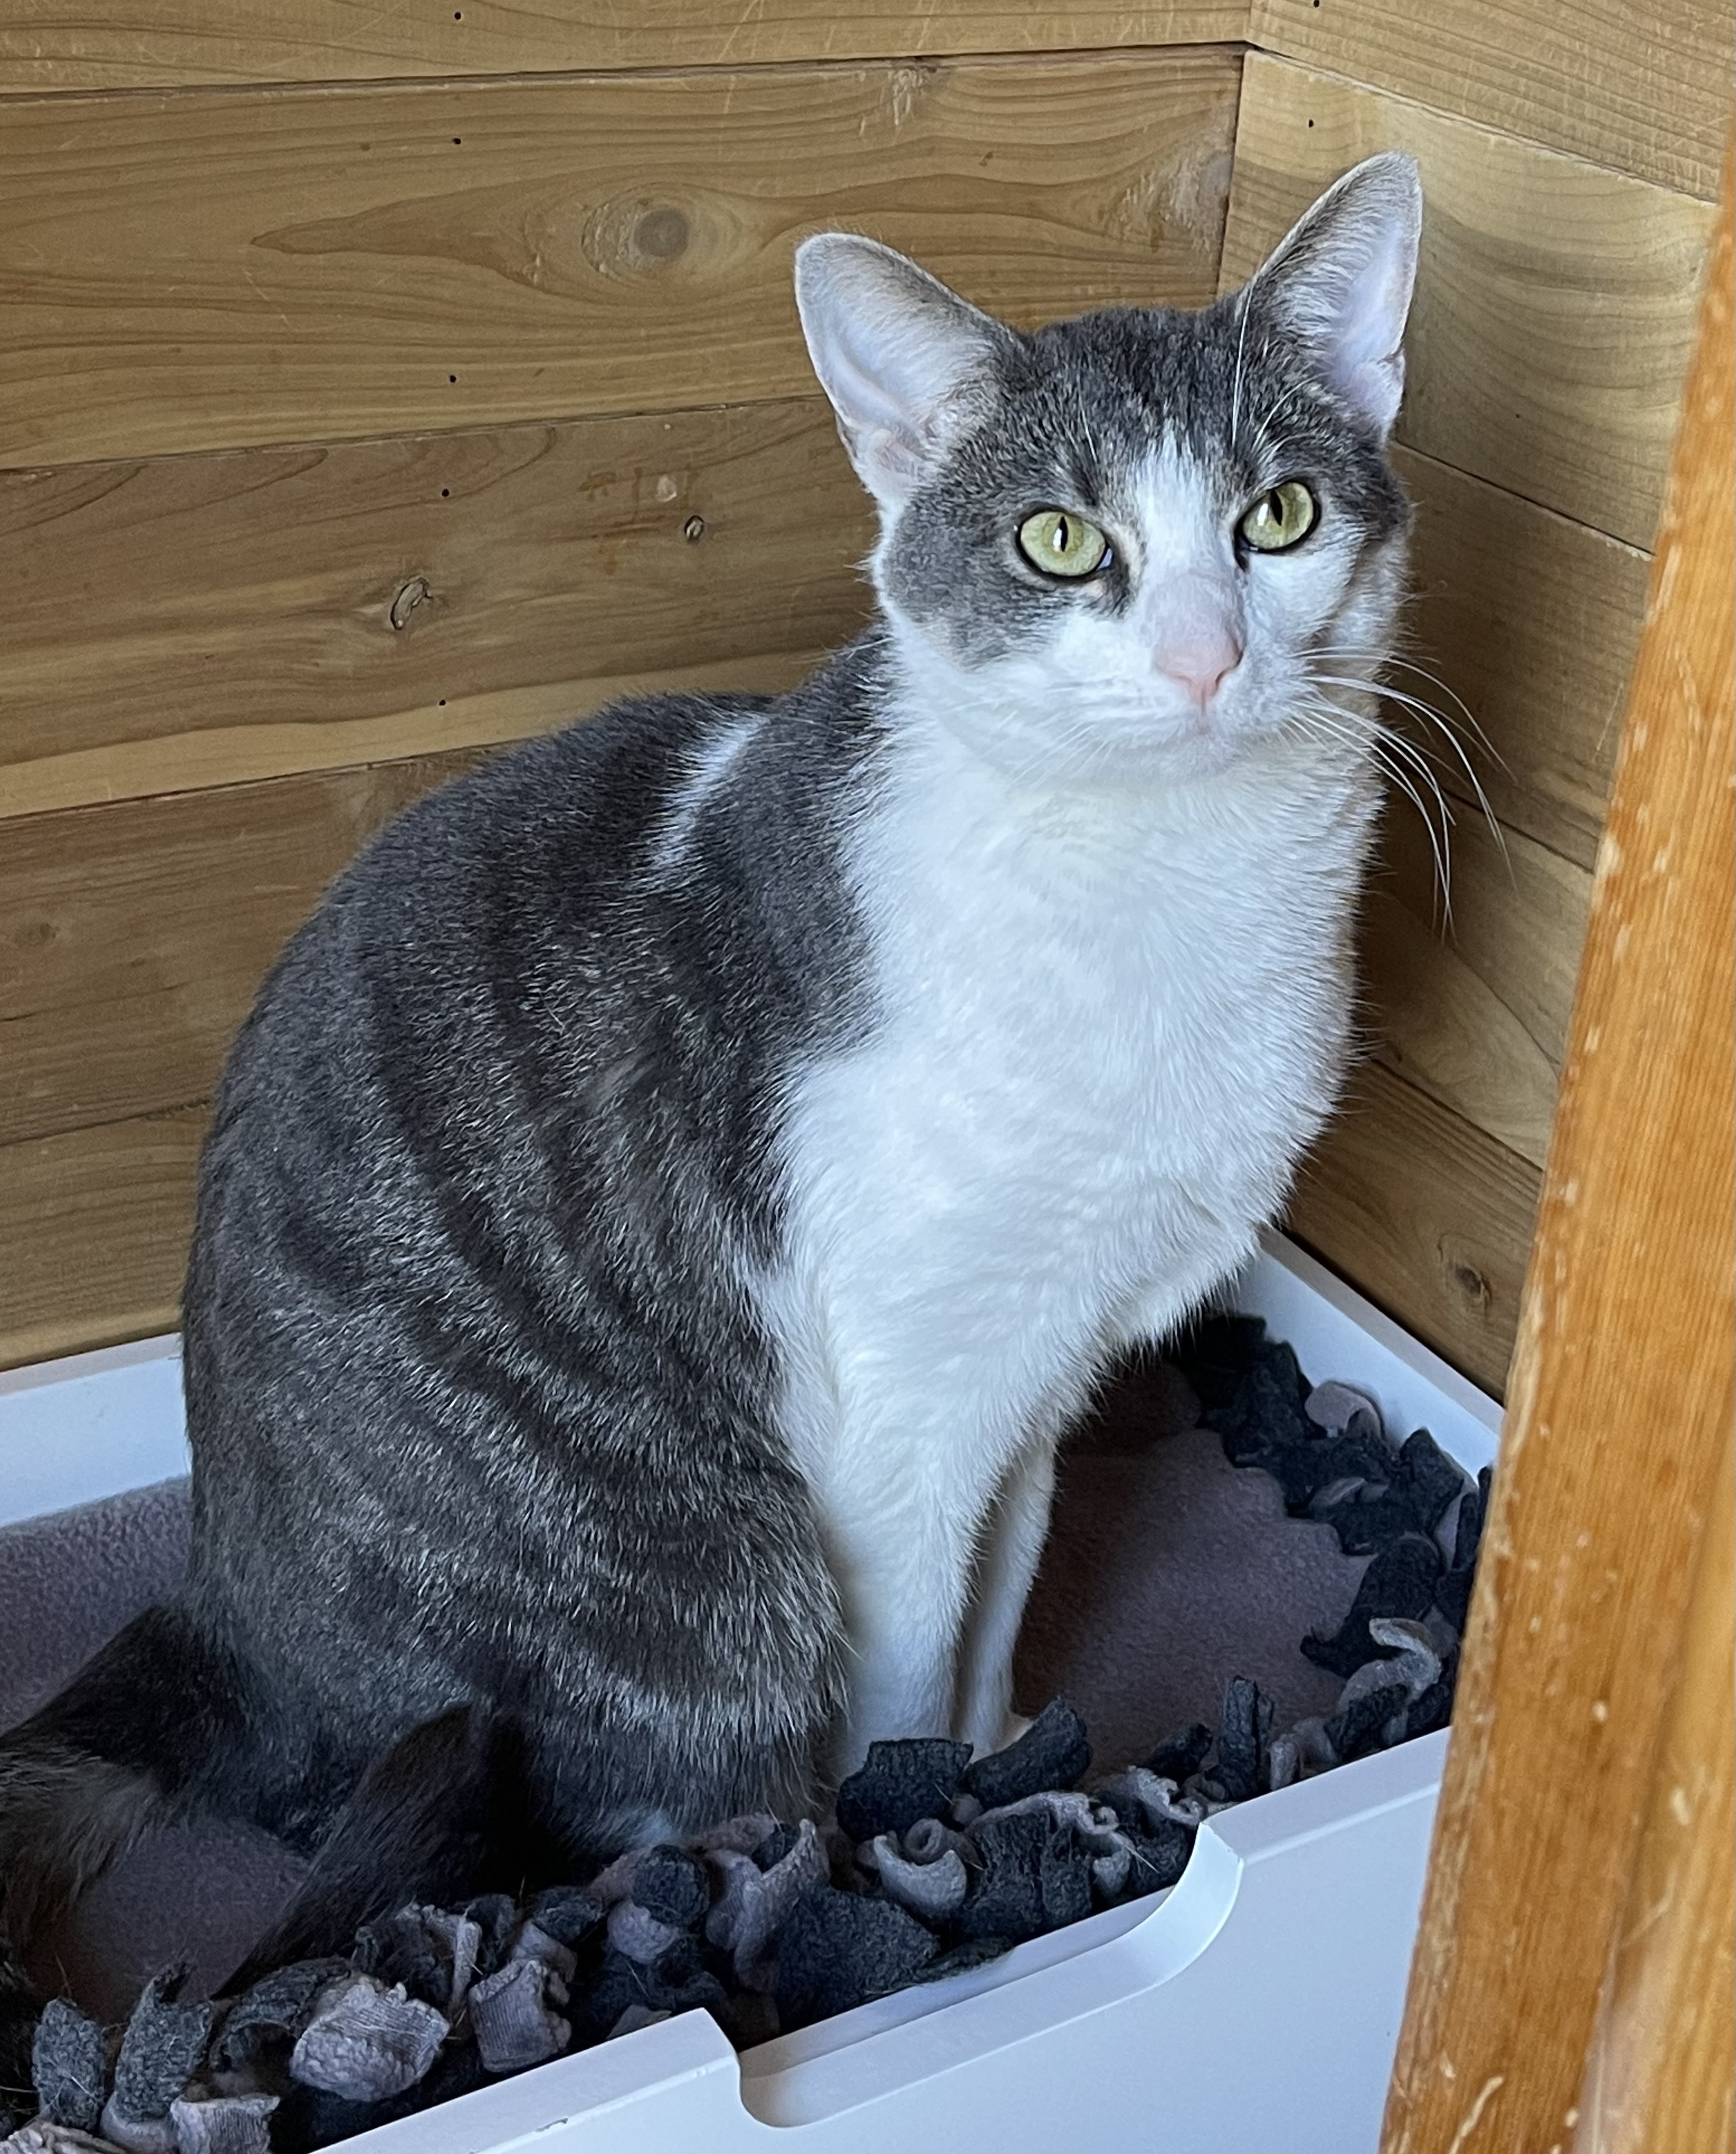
x=630 y=237
x=660 y=235
x=408 y=597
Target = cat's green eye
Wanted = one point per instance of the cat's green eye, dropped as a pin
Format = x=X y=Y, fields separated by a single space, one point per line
x=1060 y=544
x=1281 y=518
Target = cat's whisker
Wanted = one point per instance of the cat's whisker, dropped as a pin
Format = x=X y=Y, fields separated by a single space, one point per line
x=1417 y=749
x=1323 y=722
x=1449 y=732
x=1426 y=712
x=1387 y=659
x=1473 y=722
x=1263 y=440
x=1328 y=720
x=1236 y=382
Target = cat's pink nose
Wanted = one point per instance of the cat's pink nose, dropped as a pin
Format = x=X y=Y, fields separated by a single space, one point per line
x=1199 y=662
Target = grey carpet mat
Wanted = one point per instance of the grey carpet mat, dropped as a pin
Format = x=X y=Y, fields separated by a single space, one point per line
x=1167 y=1571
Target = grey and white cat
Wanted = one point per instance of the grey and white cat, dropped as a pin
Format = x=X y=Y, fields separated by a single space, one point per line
x=668 y=1199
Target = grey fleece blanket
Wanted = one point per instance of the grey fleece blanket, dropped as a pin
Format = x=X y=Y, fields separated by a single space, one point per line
x=1167 y=1571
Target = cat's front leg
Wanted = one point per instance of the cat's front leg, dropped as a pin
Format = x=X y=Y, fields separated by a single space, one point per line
x=903 y=1569
x=1011 y=1546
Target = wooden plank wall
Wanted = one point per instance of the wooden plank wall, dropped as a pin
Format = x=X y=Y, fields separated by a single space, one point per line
x=347 y=428
x=1572 y=1981
x=379 y=385
x=1552 y=325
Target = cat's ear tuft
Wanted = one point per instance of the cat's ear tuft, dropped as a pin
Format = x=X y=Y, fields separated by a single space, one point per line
x=907 y=363
x=1340 y=284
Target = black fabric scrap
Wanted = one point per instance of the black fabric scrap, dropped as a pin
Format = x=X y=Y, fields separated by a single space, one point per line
x=160 y=2048
x=901 y=1782
x=1159 y=1856
x=400 y=1948
x=1265 y=1415
x=672 y=1884
x=307 y=2117
x=565 y=1913
x=1355 y=1730
x=1053 y=1751
x=1432 y=1710
x=273 y=2012
x=1216 y=1353
x=838 y=1949
x=1401 y=1580
x=1452 y=1593
x=497 y=1917
x=1244 y=1736
x=1034 y=1877
x=1421 y=1483
x=68 y=2067
x=1311 y=1473
x=1063 y=1878
x=1178 y=1757
x=675 y=1983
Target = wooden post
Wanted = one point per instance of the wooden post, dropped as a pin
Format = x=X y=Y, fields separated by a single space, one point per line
x=1567 y=1991
x=1661 y=2078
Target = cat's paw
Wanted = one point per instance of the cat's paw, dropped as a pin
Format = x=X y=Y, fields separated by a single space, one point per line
x=1013 y=1726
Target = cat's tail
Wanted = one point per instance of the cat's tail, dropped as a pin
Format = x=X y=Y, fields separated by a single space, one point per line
x=131 y=1742
x=440 y=1814
x=158 y=1726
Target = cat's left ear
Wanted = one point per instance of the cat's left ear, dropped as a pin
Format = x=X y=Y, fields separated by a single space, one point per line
x=907 y=363
x=1340 y=284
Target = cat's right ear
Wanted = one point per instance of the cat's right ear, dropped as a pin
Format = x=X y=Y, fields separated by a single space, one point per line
x=1340 y=283
x=907 y=363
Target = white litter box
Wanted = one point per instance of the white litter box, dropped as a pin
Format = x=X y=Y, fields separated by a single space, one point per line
x=1254 y=2006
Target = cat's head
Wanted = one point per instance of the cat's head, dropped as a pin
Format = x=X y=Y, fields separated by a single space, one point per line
x=1118 y=550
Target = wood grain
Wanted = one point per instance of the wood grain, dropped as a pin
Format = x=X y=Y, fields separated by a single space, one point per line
x=1428 y=1217
x=203 y=619
x=134 y=938
x=1619 y=1413
x=200 y=620
x=1642 y=85
x=1473 y=1008
x=1530 y=620
x=93 y=1229
x=1554 y=305
x=211 y=269
x=1661 y=2078
x=138 y=45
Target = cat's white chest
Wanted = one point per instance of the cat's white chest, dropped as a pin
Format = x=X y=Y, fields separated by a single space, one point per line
x=1097 y=1049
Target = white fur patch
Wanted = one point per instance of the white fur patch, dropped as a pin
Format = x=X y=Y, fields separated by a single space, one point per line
x=710 y=767
x=1110 y=1022
x=1109 y=956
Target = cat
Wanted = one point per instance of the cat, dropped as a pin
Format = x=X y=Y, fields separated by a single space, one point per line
x=666 y=1202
